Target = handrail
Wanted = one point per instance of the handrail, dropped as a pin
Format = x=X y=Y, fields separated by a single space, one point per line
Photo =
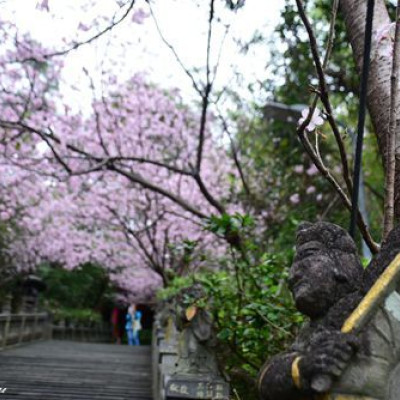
x=16 y=329
x=100 y=333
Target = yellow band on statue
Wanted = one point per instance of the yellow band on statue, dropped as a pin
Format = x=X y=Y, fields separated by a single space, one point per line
x=296 y=372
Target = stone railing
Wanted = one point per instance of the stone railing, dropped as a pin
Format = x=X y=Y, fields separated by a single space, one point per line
x=25 y=327
x=97 y=333
x=183 y=368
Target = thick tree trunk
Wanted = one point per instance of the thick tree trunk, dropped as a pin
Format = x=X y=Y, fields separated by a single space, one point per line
x=354 y=12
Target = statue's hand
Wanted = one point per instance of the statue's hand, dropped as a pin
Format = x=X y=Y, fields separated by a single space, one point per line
x=329 y=355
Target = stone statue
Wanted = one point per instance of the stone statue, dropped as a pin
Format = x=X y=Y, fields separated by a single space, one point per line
x=197 y=340
x=328 y=282
x=196 y=374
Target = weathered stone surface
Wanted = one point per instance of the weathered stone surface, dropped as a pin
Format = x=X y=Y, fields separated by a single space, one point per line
x=327 y=283
x=186 y=354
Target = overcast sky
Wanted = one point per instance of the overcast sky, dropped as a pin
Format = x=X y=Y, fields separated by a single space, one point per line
x=182 y=23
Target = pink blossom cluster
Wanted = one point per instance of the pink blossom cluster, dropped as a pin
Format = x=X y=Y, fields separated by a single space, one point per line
x=102 y=216
x=315 y=120
x=119 y=185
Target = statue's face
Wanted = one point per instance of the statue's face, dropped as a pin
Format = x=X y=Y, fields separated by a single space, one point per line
x=312 y=279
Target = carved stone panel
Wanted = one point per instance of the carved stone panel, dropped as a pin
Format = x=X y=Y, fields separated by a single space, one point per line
x=182 y=387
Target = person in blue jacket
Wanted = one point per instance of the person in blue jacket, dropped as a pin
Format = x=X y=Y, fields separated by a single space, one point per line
x=128 y=328
x=133 y=325
x=136 y=327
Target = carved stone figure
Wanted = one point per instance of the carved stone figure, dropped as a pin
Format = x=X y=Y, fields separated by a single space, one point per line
x=197 y=341
x=327 y=282
x=196 y=374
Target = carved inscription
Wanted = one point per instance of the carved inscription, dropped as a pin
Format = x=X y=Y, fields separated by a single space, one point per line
x=186 y=389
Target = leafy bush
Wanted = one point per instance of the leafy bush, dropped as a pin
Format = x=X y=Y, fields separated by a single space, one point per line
x=81 y=296
x=253 y=312
x=85 y=317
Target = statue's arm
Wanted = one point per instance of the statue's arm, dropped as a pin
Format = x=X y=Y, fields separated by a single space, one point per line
x=288 y=376
x=280 y=378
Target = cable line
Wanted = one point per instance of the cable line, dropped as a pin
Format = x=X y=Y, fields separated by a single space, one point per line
x=361 y=116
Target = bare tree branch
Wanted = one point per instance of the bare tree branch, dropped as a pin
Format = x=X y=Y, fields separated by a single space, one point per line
x=329 y=177
x=324 y=95
x=205 y=100
x=205 y=94
x=342 y=150
x=235 y=154
x=95 y=37
x=174 y=52
x=210 y=198
x=136 y=178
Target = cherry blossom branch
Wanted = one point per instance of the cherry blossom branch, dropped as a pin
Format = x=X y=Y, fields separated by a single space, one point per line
x=205 y=100
x=221 y=46
x=154 y=265
x=136 y=178
x=142 y=160
x=96 y=114
x=324 y=94
x=330 y=178
x=203 y=120
x=205 y=94
x=331 y=35
x=101 y=161
x=93 y=38
x=210 y=198
x=132 y=176
x=129 y=233
x=174 y=52
x=209 y=37
x=165 y=249
x=56 y=155
x=149 y=232
x=185 y=217
x=235 y=154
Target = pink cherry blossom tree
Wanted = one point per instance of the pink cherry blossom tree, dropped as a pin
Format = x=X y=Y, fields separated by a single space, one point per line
x=123 y=184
